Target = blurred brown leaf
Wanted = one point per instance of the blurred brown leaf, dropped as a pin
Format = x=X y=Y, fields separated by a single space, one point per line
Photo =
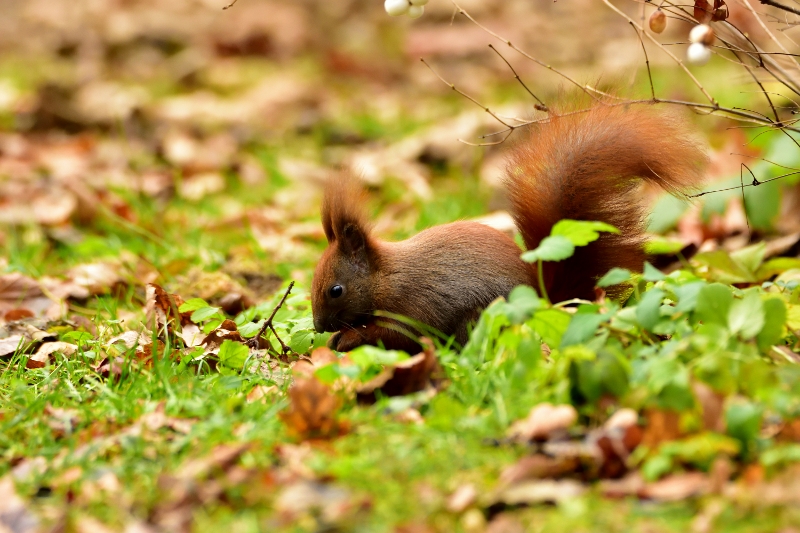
x=543 y=421
x=415 y=374
x=19 y=292
x=313 y=411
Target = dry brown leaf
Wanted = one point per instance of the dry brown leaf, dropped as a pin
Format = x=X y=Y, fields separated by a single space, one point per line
x=543 y=421
x=676 y=487
x=712 y=406
x=312 y=412
x=21 y=292
x=630 y=485
x=541 y=491
x=15 y=515
x=415 y=374
x=622 y=419
x=505 y=523
x=23 y=336
x=463 y=497
x=46 y=351
x=328 y=501
x=661 y=426
x=538 y=466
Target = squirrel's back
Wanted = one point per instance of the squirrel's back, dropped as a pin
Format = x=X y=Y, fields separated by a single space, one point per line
x=588 y=165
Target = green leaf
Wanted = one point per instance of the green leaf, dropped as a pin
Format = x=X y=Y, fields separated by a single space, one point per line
x=774 y=321
x=651 y=273
x=204 y=313
x=746 y=316
x=663 y=246
x=687 y=296
x=615 y=276
x=522 y=303
x=713 y=304
x=648 y=311
x=750 y=257
x=301 y=341
x=582 y=327
x=250 y=329
x=725 y=268
x=743 y=422
x=581 y=232
x=551 y=324
x=366 y=356
x=233 y=354
x=775 y=266
x=554 y=248
x=665 y=214
x=192 y=305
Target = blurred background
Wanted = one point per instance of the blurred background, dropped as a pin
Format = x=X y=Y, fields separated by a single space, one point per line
x=183 y=141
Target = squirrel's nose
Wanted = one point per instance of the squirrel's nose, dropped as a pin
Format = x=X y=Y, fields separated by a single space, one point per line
x=319 y=325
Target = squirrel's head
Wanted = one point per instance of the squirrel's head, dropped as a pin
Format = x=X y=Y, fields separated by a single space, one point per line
x=342 y=290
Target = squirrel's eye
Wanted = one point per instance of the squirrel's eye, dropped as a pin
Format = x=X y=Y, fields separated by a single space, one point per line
x=336 y=291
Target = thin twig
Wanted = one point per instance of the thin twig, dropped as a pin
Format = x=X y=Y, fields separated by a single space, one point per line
x=519 y=50
x=268 y=324
x=773 y=3
x=541 y=106
x=468 y=97
x=229 y=5
x=646 y=59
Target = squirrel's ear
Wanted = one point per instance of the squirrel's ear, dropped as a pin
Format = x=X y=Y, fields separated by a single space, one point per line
x=353 y=244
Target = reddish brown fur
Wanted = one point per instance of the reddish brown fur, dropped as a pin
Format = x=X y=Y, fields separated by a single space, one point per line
x=580 y=166
x=584 y=166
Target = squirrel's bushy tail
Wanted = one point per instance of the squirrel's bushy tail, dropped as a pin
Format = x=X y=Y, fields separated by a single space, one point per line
x=588 y=165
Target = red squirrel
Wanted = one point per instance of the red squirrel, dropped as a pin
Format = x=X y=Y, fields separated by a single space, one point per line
x=582 y=165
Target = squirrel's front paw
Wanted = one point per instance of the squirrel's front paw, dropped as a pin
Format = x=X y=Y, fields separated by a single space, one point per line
x=345 y=340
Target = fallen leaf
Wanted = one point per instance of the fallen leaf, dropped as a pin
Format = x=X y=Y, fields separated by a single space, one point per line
x=538 y=466
x=19 y=292
x=414 y=374
x=676 y=487
x=661 y=426
x=312 y=410
x=541 y=491
x=15 y=516
x=543 y=421
x=326 y=500
x=463 y=497
x=46 y=350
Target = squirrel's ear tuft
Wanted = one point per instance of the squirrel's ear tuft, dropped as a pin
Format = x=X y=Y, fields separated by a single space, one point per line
x=343 y=207
x=353 y=245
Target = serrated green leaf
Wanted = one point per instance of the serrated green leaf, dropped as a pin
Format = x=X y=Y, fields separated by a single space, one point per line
x=651 y=273
x=713 y=304
x=204 y=313
x=581 y=232
x=553 y=248
x=774 y=323
x=663 y=246
x=746 y=316
x=551 y=324
x=687 y=296
x=648 y=311
x=192 y=305
x=750 y=257
x=615 y=276
x=250 y=329
x=233 y=354
x=301 y=341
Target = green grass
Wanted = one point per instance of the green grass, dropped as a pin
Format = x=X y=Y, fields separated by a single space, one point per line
x=66 y=428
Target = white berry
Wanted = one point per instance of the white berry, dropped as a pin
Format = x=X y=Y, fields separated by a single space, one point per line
x=698 y=54
x=416 y=11
x=418 y=2
x=702 y=33
x=396 y=8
